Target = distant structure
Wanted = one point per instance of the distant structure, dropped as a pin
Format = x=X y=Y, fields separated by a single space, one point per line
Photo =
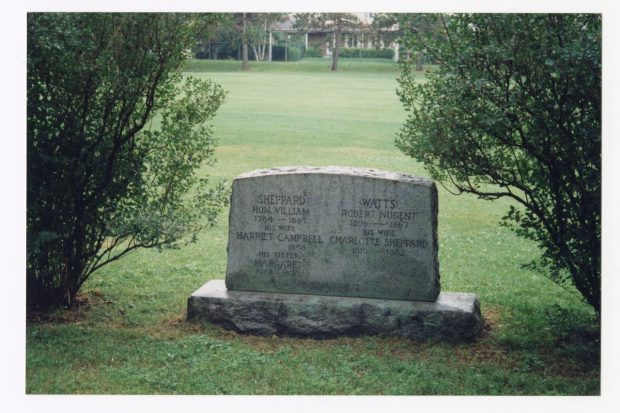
x=364 y=37
x=282 y=41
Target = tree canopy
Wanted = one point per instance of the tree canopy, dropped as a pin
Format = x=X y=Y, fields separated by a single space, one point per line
x=336 y=22
x=115 y=134
x=514 y=110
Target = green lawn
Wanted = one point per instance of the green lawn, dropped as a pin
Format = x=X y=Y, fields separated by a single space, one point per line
x=130 y=336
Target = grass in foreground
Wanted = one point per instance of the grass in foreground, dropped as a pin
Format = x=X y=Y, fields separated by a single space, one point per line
x=129 y=335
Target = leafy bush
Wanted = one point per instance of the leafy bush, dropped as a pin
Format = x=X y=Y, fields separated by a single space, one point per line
x=367 y=53
x=280 y=54
x=225 y=51
x=101 y=181
x=314 y=52
x=514 y=110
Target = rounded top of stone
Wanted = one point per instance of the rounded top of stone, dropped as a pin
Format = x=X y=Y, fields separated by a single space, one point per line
x=337 y=170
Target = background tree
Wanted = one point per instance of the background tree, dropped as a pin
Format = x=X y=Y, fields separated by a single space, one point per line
x=218 y=28
x=245 y=63
x=115 y=134
x=423 y=26
x=238 y=33
x=255 y=32
x=387 y=25
x=335 y=22
x=258 y=32
x=514 y=110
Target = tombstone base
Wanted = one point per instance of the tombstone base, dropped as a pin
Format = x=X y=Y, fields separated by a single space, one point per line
x=452 y=317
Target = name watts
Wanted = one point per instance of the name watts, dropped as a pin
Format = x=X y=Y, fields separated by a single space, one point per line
x=378 y=203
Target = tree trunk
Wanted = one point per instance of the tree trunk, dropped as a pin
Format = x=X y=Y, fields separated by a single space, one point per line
x=418 y=63
x=245 y=64
x=337 y=46
x=286 y=50
x=264 y=42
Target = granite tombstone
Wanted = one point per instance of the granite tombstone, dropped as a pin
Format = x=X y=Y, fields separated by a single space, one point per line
x=326 y=251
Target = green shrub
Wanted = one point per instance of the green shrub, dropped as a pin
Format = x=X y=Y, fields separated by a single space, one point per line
x=369 y=53
x=279 y=53
x=314 y=52
x=519 y=120
x=101 y=181
x=294 y=53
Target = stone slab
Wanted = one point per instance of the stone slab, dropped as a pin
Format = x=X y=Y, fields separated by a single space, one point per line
x=452 y=317
x=334 y=231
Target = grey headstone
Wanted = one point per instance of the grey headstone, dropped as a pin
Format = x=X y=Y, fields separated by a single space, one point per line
x=334 y=231
x=452 y=317
x=324 y=252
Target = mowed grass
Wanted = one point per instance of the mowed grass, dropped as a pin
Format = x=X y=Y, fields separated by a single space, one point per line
x=129 y=335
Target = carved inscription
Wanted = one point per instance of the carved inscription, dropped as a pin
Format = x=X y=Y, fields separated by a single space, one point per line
x=377 y=225
x=381 y=221
x=339 y=235
x=281 y=216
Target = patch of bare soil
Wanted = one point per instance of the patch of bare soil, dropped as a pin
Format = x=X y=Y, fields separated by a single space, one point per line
x=74 y=314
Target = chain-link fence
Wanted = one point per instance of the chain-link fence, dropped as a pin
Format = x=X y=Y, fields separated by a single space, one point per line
x=286 y=52
x=280 y=52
